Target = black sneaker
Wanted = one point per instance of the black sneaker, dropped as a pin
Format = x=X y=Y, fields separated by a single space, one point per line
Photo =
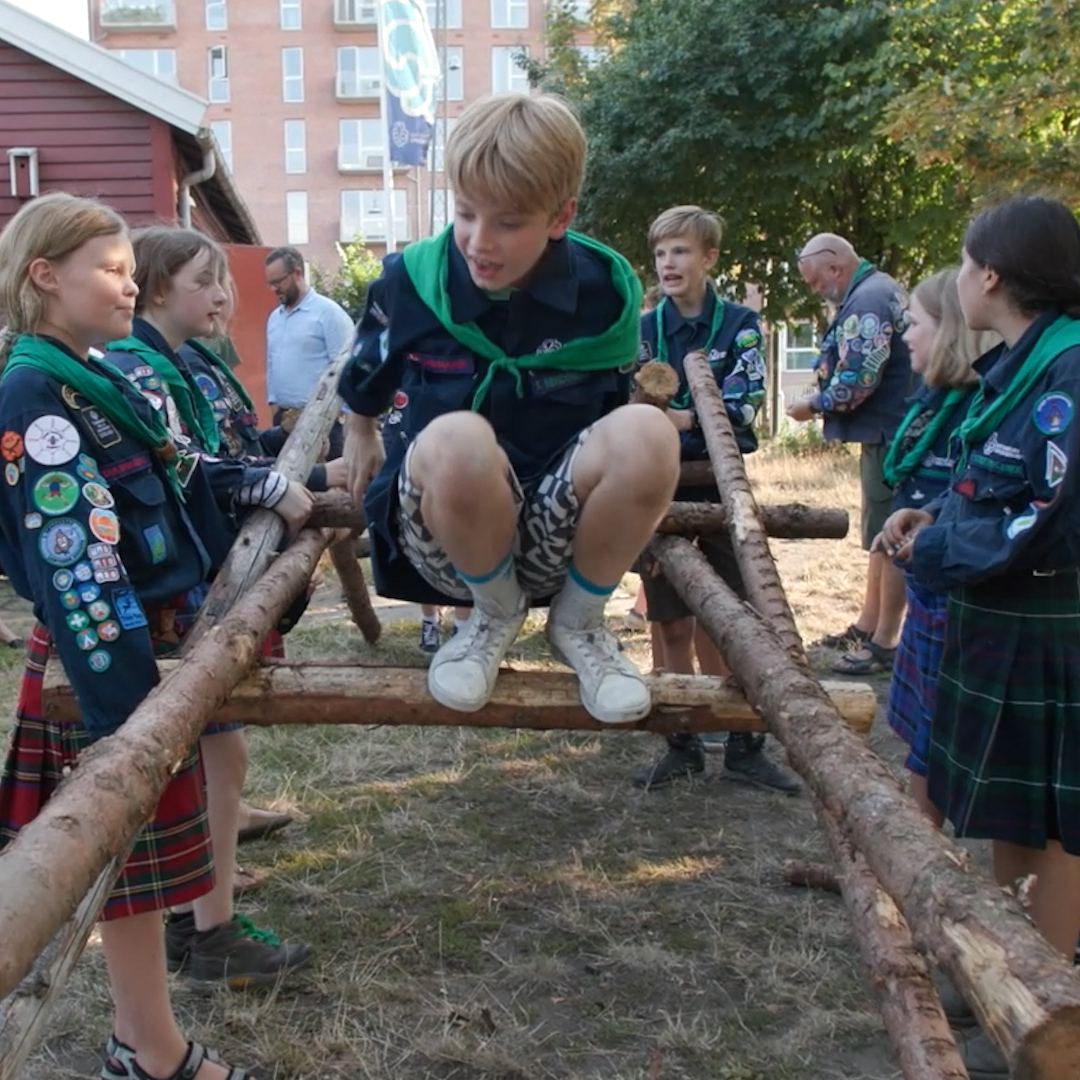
x=683 y=760
x=240 y=955
x=179 y=930
x=430 y=638
x=745 y=760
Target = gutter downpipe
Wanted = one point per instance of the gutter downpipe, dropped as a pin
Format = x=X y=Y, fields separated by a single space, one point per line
x=199 y=176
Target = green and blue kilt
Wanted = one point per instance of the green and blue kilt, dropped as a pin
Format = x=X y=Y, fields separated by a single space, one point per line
x=1005 y=742
x=171 y=863
x=913 y=688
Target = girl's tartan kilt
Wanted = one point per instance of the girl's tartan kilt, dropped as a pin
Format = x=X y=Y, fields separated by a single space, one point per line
x=915 y=672
x=171 y=863
x=1005 y=742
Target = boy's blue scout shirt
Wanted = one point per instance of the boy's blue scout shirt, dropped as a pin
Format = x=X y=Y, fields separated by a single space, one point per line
x=405 y=358
x=931 y=477
x=864 y=367
x=91 y=532
x=1014 y=507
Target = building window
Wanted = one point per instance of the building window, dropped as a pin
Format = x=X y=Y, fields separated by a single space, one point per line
x=591 y=54
x=217 y=88
x=291 y=18
x=452 y=84
x=295 y=146
x=509 y=14
x=292 y=74
x=358 y=72
x=222 y=130
x=296 y=223
x=363 y=216
x=443 y=214
x=158 y=62
x=354 y=12
x=506 y=73
x=438 y=143
x=444 y=14
x=217 y=18
x=582 y=10
x=360 y=145
x=799 y=346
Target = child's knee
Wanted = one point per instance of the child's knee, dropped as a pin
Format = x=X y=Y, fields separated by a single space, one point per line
x=455 y=445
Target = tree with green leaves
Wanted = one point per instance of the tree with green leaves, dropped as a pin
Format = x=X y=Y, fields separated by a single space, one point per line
x=358 y=267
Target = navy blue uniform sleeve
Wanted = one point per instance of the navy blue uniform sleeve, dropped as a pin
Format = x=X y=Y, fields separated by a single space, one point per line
x=995 y=519
x=742 y=383
x=864 y=341
x=59 y=535
x=375 y=370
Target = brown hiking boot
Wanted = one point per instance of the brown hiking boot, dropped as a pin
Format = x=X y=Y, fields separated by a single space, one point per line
x=240 y=955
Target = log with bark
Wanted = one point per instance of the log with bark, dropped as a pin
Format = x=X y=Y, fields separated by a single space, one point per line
x=655 y=383
x=1025 y=994
x=113 y=791
x=809 y=875
x=279 y=692
x=751 y=545
x=788 y=521
x=354 y=588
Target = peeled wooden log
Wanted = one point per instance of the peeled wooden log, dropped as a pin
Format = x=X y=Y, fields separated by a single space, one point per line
x=787 y=521
x=655 y=383
x=47 y=870
x=279 y=692
x=354 y=588
x=751 y=545
x=909 y=1004
x=259 y=537
x=1025 y=994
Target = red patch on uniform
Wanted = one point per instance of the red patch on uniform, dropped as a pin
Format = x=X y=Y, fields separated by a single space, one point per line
x=965 y=488
x=401 y=399
x=11 y=446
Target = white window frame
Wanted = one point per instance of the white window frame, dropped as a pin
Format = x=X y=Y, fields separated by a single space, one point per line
x=357 y=73
x=439 y=220
x=360 y=144
x=582 y=10
x=355 y=12
x=295 y=133
x=366 y=206
x=591 y=54
x=452 y=84
x=217 y=15
x=437 y=149
x=222 y=130
x=292 y=85
x=155 y=66
x=290 y=14
x=505 y=73
x=509 y=14
x=296 y=217
x=451 y=14
x=217 y=85
x=789 y=350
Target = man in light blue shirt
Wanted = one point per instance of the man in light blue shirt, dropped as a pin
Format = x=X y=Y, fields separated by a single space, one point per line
x=303 y=335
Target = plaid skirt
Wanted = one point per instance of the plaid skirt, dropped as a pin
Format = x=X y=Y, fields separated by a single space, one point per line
x=915 y=672
x=1005 y=741
x=171 y=863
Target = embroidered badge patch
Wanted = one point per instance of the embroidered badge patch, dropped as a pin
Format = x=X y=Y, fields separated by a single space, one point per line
x=51 y=440
x=401 y=399
x=32 y=520
x=87 y=468
x=77 y=620
x=101 y=427
x=11 y=445
x=63 y=580
x=99 y=661
x=55 y=493
x=109 y=630
x=62 y=542
x=98 y=495
x=82 y=571
x=1020 y=523
x=1056 y=464
x=105 y=525
x=70 y=599
x=129 y=612
x=11 y=473
x=86 y=639
x=89 y=592
x=98 y=610
x=155 y=541
x=1053 y=412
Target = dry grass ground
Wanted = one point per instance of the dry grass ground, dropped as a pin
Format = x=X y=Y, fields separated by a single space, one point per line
x=503 y=905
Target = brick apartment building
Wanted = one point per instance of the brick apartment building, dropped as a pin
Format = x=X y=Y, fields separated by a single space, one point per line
x=295 y=100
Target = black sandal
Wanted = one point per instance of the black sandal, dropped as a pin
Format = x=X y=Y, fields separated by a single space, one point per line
x=195 y=1057
x=880 y=659
x=851 y=638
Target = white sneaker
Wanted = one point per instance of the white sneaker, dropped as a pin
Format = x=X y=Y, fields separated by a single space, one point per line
x=612 y=689
x=463 y=672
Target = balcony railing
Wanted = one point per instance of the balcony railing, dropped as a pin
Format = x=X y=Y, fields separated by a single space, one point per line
x=131 y=15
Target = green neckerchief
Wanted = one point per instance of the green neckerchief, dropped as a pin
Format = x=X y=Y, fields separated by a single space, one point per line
x=865 y=267
x=223 y=368
x=682 y=399
x=901 y=460
x=35 y=352
x=194 y=409
x=1062 y=334
x=427 y=264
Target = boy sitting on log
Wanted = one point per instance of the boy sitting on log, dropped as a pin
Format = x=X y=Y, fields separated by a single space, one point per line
x=515 y=473
x=685 y=241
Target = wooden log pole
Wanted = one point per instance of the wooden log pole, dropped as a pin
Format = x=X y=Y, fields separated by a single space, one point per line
x=354 y=588
x=280 y=692
x=909 y=1004
x=1025 y=994
x=740 y=509
x=113 y=791
x=786 y=521
x=259 y=537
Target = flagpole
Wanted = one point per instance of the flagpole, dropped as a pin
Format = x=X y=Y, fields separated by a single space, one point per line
x=388 y=168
